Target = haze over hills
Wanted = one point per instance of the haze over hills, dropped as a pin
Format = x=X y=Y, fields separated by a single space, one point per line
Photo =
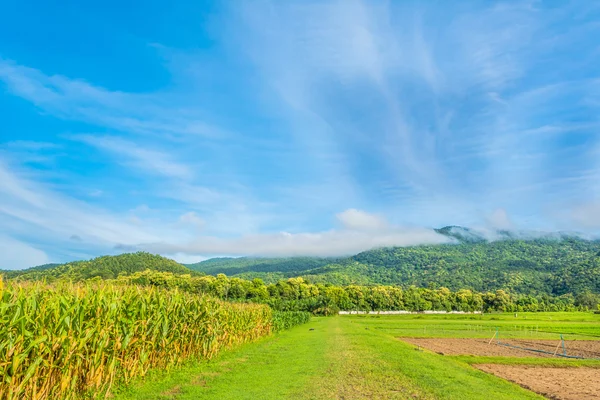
x=525 y=266
x=549 y=263
x=469 y=235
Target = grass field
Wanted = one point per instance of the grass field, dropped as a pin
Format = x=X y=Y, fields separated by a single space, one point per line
x=356 y=357
x=574 y=325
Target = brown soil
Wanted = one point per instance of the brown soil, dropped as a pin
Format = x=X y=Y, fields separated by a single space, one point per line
x=480 y=347
x=554 y=383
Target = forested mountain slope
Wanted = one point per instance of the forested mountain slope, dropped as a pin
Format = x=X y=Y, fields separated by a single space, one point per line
x=555 y=264
x=105 y=267
x=242 y=265
x=533 y=266
x=549 y=265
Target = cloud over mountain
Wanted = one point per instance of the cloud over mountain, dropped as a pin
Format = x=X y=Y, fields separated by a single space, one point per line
x=316 y=127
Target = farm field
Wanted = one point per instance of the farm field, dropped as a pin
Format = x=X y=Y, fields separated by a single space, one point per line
x=556 y=382
x=71 y=341
x=509 y=347
x=361 y=357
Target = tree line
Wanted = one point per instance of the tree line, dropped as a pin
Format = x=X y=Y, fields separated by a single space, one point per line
x=504 y=276
x=297 y=294
x=551 y=266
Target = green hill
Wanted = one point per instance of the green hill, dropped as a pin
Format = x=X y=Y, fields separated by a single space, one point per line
x=105 y=267
x=552 y=265
x=273 y=268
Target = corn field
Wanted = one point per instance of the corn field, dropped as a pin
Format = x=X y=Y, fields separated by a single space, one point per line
x=283 y=320
x=69 y=341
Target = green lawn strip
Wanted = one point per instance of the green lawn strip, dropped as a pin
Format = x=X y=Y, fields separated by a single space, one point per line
x=580 y=326
x=438 y=376
x=271 y=368
x=354 y=371
x=533 y=361
x=350 y=357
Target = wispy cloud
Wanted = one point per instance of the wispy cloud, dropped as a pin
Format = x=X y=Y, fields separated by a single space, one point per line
x=424 y=114
x=18 y=255
x=359 y=220
x=407 y=81
x=193 y=219
x=362 y=231
x=27 y=203
x=156 y=113
x=132 y=154
x=587 y=215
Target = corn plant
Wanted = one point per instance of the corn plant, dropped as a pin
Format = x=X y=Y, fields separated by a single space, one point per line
x=283 y=320
x=68 y=341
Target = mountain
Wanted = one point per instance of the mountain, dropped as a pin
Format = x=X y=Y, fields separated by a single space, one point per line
x=273 y=267
x=461 y=234
x=524 y=266
x=44 y=267
x=105 y=267
x=522 y=262
x=552 y=264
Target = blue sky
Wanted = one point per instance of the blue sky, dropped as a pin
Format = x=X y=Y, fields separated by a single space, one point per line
x=198 y=129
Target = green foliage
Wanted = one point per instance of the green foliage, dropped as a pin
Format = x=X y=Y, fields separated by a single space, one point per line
x=553 y=267
x=283 y=320
x=297 y=294
x=105 y=267
x=330 y=358
x=248 y=266
x=71 y=340
x=526 y=325
x=506 y=275
x=530 y=267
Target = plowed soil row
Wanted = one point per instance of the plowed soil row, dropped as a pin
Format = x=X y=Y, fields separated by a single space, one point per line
x=554 y=383
x=481 y=347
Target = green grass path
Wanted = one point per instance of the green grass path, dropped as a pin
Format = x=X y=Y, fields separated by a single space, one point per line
x=339 y=359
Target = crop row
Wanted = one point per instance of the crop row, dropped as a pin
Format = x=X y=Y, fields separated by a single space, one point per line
x=283 y=320
x=70 y=341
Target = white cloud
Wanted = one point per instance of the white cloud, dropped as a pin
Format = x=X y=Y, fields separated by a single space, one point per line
x=425 y=113
x=36 y=210
x=50 y=214
x=15 y=254
x=328 y=243
x=586 y=215
x=354 y=219
x=191 y=218
x=78 y=100
x=499 y=220
x=361 y=231
x=184 y=258
x=154 y=161
x=142 y=208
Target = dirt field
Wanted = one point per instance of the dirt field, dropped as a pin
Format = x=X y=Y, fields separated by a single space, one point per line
x=480 y=347
x=554 y=383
